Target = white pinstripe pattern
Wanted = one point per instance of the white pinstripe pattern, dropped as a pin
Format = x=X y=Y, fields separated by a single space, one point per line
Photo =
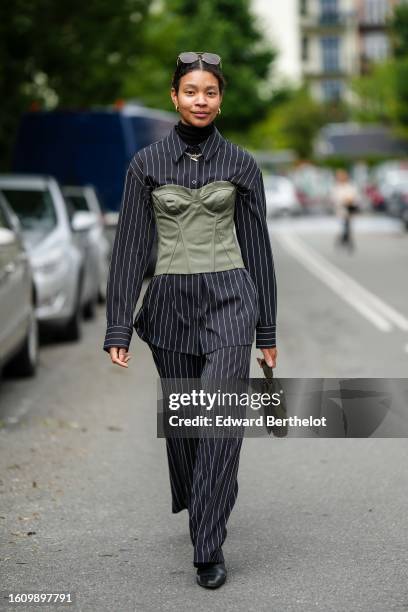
x=192 y=313
x=203 y=471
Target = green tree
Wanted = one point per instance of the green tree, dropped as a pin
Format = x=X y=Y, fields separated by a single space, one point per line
x=78 y=55
x=375 y=95
x=399 y=37
x=382 y=95
x=64 y=54
x=293 y=124
x=399 y=31
x=226 y=27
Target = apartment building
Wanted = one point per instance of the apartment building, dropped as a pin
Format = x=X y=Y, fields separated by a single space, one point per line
x=374 y=44
x=340 y=39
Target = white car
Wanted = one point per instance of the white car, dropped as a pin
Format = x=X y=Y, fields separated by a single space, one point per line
x=62 y=287
x=96 y=243
x=390 y=178
x=18 y=323
x=281 y=196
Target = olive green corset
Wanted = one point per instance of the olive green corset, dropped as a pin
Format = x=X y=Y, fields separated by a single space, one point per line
x=196 y=228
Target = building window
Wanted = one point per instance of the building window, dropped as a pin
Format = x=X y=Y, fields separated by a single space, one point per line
x=329 y=11
x=305 y=48
x=303 y=7
x=375 y=11
x=332 y=90
x=376 y=46
x=330 y=53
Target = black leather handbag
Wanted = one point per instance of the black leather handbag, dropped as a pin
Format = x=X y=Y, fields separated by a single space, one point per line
x=272 y=385
x=353 y=209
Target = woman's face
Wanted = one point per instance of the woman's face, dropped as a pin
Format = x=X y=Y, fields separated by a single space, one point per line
x=198 y=97
x=342 y=176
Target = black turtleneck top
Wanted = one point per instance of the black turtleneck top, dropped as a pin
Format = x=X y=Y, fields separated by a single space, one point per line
x=193 y=135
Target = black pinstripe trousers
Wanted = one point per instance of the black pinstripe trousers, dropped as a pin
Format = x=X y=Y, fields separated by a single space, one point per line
x=203 y=471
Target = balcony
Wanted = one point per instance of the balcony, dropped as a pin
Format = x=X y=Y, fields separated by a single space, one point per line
x=367 y=24
x=374 y=14
x=327 y=21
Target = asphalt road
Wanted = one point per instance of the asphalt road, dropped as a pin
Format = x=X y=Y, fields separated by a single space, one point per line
x=320 y=524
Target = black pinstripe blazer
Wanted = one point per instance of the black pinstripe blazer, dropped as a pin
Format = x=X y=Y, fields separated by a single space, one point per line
x=192 y=313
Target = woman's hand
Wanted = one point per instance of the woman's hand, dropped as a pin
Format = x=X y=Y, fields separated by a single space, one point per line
x=120 y=356
x=270 y=355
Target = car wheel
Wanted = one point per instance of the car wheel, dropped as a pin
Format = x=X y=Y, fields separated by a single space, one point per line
x=73 y=329
x=26 y=361
x=405 y=218
x=102 y=292
x=89 y=310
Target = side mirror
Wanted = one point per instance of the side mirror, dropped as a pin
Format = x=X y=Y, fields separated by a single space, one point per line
x=110 y=219
x=83 y=221
x=7 y=237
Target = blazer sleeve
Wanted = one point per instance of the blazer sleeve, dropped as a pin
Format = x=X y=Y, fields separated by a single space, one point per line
x=130 y=256
x=253 y=237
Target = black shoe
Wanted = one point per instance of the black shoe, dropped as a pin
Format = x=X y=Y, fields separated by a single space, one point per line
x=212 y=576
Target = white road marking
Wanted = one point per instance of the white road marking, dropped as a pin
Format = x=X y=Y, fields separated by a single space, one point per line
x=375 y=310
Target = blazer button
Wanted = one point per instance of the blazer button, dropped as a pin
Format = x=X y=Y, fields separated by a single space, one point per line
x=194 y=182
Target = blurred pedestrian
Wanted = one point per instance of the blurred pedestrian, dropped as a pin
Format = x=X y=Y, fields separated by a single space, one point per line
x=210 y=292
x=345 y=199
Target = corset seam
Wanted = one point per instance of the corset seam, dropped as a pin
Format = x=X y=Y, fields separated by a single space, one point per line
x=219 y=233
x=213 y=242
x=176 y=242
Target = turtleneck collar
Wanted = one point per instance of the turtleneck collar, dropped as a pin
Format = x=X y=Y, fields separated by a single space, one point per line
x=193 y=135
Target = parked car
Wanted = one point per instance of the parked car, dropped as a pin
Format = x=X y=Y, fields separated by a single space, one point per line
x=375 y=197
x=63 y=289
x=398 y=202
x=387 y=177
x=18 y=322
x=95 y=244
x=281 y=196
x=313 y=186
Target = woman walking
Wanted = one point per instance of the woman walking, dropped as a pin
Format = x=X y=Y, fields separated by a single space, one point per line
x=211 y=291
x=345 y=196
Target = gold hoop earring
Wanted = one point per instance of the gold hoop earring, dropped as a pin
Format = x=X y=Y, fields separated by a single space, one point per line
x=219 y=111
x=176 y=108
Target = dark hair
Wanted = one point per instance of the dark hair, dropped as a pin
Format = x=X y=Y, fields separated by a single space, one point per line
x=183 y=69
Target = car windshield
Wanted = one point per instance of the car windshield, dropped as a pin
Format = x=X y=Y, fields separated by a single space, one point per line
x=78 y=202
x=34 y=208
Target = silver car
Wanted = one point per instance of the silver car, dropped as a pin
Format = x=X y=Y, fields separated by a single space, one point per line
x=95 y=243
x=281 y=197
x=18 y=323
x=62 y=288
